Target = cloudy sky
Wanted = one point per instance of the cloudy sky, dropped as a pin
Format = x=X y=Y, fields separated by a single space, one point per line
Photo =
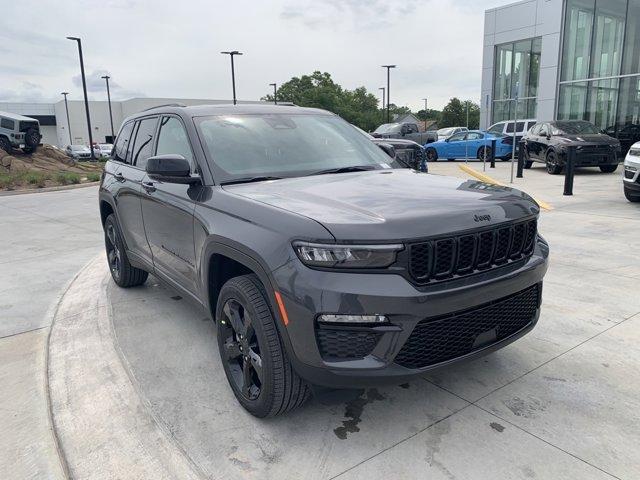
x=170 y=48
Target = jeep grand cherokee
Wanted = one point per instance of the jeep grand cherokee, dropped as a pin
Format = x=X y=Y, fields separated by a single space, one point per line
x=319 y=263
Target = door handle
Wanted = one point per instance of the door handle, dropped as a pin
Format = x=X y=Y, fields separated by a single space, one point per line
x=149 y=187
x=119 y=177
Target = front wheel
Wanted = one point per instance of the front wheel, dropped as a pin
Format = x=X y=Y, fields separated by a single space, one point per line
x=123 y=273
x=254 y=360
x=552 y=164
x=432 y=155
x=608 y=168
x=5 y=144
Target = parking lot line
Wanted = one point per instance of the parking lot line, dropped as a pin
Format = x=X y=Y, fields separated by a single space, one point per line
x=487 y=179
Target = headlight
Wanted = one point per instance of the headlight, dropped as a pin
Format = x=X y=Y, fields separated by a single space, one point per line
x=346 y=256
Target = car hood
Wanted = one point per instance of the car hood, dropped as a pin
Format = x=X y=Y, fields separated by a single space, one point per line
x=391 y=204
x=592 y=139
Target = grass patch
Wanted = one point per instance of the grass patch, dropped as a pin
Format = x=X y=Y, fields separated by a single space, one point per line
x=36 y=179
x=66 y=178
x=93 y=177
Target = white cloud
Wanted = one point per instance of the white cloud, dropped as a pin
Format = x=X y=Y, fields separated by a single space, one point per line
x=167 y=49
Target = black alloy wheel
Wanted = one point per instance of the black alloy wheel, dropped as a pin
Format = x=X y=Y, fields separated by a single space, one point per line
x=123 y=273
x=240 y=350
x=432 y=155
x=482 y=151
x=5 y=144
x=114 y=255
x=552 y=163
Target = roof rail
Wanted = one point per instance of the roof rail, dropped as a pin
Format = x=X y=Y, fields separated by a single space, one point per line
x=165 y=105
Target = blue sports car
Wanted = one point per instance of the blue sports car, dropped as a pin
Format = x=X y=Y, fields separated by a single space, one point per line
x=471 y=144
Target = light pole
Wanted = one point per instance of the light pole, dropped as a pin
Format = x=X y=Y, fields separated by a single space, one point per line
x=383 y=98
x=84 y=89
x=388 y=67
x=66 y=107
x=113 y=136
x=275 y=89
x=425 y=114
x=233 y=73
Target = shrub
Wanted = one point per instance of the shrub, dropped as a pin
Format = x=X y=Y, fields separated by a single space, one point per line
x=66 y=178
x=93 y=177
x=34 y=178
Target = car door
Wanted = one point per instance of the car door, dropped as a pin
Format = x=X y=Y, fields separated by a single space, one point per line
x=168 y=209
x=473 y=143
x=127 y=193
x=531 y=140
x=456 y=145
x=542 y=142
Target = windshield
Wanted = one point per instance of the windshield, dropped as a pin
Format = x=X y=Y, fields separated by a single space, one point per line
x=105 y=146
x=284 y=145
x=574 y=128
x=78 y=147
x=445 y=131
x=388 y=128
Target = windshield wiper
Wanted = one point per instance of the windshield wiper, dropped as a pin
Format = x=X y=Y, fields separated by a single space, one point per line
x=250 y=180
x=362 y=168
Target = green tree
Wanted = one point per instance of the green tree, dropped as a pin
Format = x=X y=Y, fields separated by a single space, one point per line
x=318 y=90
x=454 y=114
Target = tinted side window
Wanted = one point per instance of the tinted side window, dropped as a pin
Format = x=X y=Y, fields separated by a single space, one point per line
x=172 y=138
x=474 y=136
x=457 y=137
x=122 y=143
x=520 y=126
x=497 y=128
x=143 y=147
x=6 y=123
x=535 y=130
x=531 y=125
x=413 y=128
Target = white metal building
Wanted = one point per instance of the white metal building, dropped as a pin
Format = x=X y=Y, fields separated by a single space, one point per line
x=53 y=117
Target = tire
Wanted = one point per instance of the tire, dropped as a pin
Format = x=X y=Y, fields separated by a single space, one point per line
x=32 y=138
x=632 y=197
x=608 y=168
x=528 y=164
x=432 y=154
x=263 y=381
x=552 y=167
x=122 y=272
x=5 y=144
x=482 y=151
x=29 y=150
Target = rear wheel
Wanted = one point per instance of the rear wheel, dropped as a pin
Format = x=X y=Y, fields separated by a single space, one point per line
x=5 y=144
x=631 y=196
x=432 y=155
x=254 y=359
x=552 y=164
x=122 y=272
x=484 y=152
x=608 y=168
x=528 y=164
x=29 y=149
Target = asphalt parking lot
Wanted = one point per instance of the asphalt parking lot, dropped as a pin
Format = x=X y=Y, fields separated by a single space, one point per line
x=137 y=390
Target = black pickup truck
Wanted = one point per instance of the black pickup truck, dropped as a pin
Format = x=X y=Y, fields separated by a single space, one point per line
x=407 y=131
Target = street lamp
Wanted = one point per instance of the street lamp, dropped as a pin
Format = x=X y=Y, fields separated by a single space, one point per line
x=66 y=106
x=84 y=89
x=425 y=114
x=233 y=73
x=383 y=90
x=113 y=136
x=388 y=67
x=275 y=89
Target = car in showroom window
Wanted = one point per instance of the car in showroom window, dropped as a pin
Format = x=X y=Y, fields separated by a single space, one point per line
x=319 y=263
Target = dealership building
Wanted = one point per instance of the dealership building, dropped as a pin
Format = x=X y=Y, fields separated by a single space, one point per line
x=57 y=130
x=564 y=59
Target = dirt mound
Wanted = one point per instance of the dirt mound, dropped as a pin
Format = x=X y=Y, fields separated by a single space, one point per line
x=46 y=158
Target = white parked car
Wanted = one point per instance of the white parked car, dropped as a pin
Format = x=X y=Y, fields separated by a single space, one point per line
x=79 y=152
x=631 y=179
x=102 y=150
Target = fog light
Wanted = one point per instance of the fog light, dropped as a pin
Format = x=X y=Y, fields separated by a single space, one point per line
x=333 y=318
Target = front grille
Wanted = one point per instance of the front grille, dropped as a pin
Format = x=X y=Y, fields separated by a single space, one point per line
x=452 y=257
x=439 y=339
x=629 y=174
x=345 y=344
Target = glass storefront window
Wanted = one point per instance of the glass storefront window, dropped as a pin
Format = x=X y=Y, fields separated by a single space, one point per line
x=572 y=101
x=502 y=80
x=607 y=37
x=632 y=39
x=601 y=103
x=577 y=39
x=627 y=126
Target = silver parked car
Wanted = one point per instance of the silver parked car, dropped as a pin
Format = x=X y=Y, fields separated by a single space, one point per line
x=631 y=179
x=102 y=150
x=445 y=133
x=78 y=152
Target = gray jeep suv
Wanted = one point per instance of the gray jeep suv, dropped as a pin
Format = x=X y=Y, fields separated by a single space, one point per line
x=319 y=263
x=18 y=131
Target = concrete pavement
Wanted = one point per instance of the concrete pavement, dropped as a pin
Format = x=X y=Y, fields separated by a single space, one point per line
x=562 y=402
x=46 y=238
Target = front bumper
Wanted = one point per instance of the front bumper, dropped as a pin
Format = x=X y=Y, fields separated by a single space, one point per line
x=631 y=175
x=591 y=157
x=313 y=292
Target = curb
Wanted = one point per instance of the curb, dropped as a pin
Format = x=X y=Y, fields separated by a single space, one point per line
x=487 y=179
x=101 y=425
x=9 y=193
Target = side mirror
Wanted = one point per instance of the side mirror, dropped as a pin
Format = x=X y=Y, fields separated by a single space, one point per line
x=171 y=168
x=388 y=149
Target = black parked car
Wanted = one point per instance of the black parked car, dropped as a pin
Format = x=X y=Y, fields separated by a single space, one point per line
x=547 y=142
x=319 y=263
